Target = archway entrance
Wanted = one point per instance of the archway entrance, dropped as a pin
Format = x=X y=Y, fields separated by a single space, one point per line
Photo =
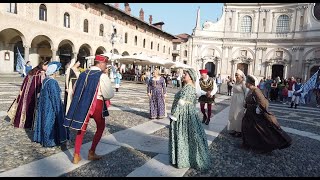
x=83 y=53
x=17 y=46
x=65 y=56
x=313 y=70
x=10 y=40
x=100 y=50
x=41 y=49
x=211 y=67
x=243 y=67
x=277 y=70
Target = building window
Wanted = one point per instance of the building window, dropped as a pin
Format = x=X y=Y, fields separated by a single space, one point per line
x=85 y=26
x=282 y=24
x=86 y=6
x=246 y=24
x=185 y=53
x=230 y=21
x=101 y=13
x=264 y=24
x=144 y=43
x=101 y=30
x=301 y=21
x=175 y=47
x=158 y=49
x=135 y=40
x=164 y=49
x=169 y=51
x=66 y=20
x=151 y=46
x=12 y=8
x=184 y=62
x=174 y=58
x=137 y=28
x=126 y=38
x=43 y=12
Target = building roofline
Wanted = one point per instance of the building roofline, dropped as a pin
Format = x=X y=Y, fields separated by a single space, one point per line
x=137 y=19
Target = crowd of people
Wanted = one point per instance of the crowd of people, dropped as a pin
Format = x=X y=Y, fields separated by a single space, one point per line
x=87 y=95
x=288 y=91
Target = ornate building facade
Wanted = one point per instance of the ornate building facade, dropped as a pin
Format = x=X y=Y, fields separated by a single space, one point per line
x=69 y=31
x=263 y=39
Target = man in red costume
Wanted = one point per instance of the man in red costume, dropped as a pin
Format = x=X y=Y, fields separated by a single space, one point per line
x=208 y=90
x=92 y=88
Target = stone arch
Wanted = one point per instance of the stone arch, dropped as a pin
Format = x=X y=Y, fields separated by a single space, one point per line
x=66 y=51
x=41 y=48
x=84 y=51
x=9 y=34
x=213 y=47
x=115 y=51
x=242 y=48
x=45 y=37
x=308 y=52
x=125 y=53
x=280 y=48
x=100 y=50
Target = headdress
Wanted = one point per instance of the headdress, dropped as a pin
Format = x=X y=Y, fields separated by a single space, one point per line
x=193 y=74
x=101 y=58
x=53 y=67
x=203 y=71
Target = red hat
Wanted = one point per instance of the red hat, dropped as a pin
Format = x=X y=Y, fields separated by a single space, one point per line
x=203 y=71
x=101 y=58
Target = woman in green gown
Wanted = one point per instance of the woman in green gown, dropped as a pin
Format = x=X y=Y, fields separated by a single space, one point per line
x=188 y=145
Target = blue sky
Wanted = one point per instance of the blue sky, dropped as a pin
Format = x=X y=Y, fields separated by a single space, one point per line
x=178 y=17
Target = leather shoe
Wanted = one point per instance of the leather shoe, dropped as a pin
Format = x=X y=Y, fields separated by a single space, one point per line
x=204 y=119
x=76 y=159
x=93 y=156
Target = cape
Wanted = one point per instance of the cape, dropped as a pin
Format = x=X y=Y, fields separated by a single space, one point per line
x=83 y=100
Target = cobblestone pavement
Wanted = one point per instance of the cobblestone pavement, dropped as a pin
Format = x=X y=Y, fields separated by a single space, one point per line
x=301 y=159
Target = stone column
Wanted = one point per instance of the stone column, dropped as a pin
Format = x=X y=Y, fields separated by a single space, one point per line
x=233 y=66
x=218 y=69
x=223 y=60
x=26 y=53
x=306 y=69
x=249 y=68
x=267 y=69
x=54 y=55
x=285 y=72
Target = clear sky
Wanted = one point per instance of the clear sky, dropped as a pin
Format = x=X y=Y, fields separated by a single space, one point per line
x=178 y=17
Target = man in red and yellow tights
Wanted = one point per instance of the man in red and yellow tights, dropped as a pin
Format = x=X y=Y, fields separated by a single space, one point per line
x=92 y=88
x=208 y=90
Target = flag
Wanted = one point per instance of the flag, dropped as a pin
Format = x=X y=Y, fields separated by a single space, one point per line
x=311 y=83
x=20 y=67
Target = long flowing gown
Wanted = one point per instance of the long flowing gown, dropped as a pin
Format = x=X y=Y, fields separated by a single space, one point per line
x=49 y=130
x=236 y=111
x=188 y=146
x=261 y=131
x=71 y=78
x=157 y=88
x=27 y=99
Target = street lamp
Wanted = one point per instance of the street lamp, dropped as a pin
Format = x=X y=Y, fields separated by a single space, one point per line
x=114 y=38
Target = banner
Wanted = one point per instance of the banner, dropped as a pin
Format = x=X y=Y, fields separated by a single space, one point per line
x=20 y=67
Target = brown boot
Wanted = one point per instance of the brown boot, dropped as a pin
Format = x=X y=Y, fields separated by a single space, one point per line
x=76 y=159
x=93 y=156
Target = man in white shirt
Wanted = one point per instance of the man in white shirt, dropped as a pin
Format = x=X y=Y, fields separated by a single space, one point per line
x=219 y=82
x=92 y=89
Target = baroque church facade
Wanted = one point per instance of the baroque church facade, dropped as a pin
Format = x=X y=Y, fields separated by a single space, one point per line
x=263 y=39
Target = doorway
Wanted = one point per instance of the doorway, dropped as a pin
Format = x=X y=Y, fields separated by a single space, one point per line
x=277 y=70
x=243 y=67
x=211 y=68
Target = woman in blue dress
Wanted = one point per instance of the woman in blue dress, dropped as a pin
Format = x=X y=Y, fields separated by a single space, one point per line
x=117 y=80
x=188 y=145
x=49 y=130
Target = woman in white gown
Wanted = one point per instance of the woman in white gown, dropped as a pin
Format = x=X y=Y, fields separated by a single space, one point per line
x=236 y=112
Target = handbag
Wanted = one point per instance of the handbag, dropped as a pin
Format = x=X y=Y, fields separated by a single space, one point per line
x=12 y=110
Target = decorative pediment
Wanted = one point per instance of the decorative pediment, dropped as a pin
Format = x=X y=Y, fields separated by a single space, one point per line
x=278 y=61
